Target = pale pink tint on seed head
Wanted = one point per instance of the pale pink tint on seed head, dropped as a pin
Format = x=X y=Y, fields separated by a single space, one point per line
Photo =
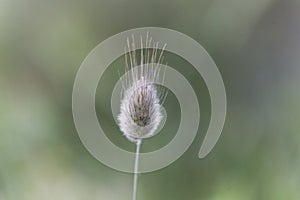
x=141 y=101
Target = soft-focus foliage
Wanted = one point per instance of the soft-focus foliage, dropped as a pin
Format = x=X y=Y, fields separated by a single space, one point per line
x=256 y=46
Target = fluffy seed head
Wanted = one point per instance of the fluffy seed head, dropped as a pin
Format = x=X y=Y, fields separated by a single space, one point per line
x=140 y=109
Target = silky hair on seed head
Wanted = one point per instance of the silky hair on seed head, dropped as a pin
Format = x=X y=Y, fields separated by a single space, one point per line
x=141 y=99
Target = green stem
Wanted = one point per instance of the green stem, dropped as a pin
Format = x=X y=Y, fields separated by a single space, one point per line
x=136 y=165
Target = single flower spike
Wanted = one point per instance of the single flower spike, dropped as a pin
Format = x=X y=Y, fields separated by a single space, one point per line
x=141 y=109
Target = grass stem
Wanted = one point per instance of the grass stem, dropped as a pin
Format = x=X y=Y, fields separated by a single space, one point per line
x=136 y=165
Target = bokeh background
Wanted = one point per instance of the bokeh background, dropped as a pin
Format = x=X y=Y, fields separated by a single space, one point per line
x=255 y=44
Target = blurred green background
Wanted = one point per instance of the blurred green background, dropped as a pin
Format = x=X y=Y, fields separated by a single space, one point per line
x=256 y=46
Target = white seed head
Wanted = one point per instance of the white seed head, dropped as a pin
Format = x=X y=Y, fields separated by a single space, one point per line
x=140 y=109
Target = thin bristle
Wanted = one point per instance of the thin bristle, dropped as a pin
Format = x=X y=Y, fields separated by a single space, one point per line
x=142 y=58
